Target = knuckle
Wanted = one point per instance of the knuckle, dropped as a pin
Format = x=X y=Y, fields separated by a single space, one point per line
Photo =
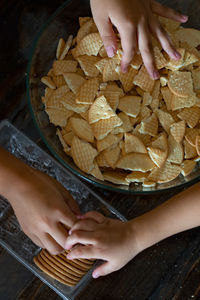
x=78 y=251
x=98 y=238
x=162 y=30
x=102 y=272
x=129 y=24
x=26 y=231
x=58 y=212
x=43 y=222
x=146 y=51
x=53 y=250
x=129 y=53
x=143 y=19
x=77 y=235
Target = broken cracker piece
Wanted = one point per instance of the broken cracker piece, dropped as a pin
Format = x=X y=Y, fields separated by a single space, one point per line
x=96 y=172
x=149 y=125
x=87 y=91
x=87 y=64
x=135 y=162
x=67 y=46
x=143 y=80
x=74 y=81
x=137 y=176
x=100 y=109
x=112 y=156
x=133 y=144
x=176 y=153
x=187 y=166
x=48 y=82
x=115 y=177
x=64 y=66
x=130 y=105
x=180 y=84
x=189 y=150
x=89 y=45
x=60 y=48
x=164 y=174
x=190 y=115
x=177 y=130
x=103 y=127
x=83 y=154
x=82 y=129
x=165 y=119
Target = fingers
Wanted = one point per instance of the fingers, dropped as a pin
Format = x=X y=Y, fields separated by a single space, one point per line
x=94 y=215
x=145 y=47
x=164 y=39
x=71 y=202
x=167 y=12
x=80 y=237
x=36 y=240
x=85 y=252
x=59 y=233
x=86 y=225
x=108 y=36
x=51 y=245
x=128 y=36
x=103 y=270
x=66 y=217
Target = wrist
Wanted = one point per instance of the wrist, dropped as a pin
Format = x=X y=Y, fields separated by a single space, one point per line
x=144 y=233
x=14 y=175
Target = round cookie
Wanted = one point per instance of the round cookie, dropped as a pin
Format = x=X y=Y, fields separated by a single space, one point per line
x=76 y=263
x=87 y=261
x=67 y=264
x=58 y=269
x=48 y=271
x=63 y=264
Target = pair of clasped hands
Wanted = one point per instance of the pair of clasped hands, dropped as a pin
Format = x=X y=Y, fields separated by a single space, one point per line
x=43 y=207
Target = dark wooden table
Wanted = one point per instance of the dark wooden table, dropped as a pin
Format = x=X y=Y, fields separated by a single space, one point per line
x=168 y=270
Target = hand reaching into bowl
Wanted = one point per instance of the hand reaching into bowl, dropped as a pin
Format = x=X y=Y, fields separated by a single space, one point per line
x=135 y=21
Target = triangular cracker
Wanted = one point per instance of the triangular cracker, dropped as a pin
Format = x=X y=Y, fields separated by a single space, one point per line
x=87 y=91
x=83 y=154
x=74 y=81
x=100 y=109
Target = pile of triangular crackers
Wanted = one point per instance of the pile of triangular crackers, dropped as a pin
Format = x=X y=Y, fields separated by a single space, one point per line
x=126 y=128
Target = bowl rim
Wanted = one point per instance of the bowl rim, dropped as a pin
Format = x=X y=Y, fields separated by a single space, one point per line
x=89 y=180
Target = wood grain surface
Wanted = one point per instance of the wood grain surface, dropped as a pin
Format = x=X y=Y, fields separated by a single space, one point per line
x=167 y=271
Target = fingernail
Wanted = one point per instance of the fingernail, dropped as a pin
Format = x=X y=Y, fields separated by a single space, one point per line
x=110 y=51
x=77 y=213
x=177 y=55
x=95 y=275
x=156 y=75
x=124 y=68
x=70 y=232
x=184 y=18
x=79 y=217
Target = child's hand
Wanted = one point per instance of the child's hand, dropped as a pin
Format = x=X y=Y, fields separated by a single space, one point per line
x=43 y=207
x=135 y=22
x=104 y=238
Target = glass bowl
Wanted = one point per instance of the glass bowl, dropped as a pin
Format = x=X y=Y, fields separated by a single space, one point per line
x=61 y=24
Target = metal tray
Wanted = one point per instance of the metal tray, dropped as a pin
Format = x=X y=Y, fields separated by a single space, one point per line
x=12 y=237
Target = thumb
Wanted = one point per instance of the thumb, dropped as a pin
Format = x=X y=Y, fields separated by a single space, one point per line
x=108 y=36
x=103 y=270
x=69 y=200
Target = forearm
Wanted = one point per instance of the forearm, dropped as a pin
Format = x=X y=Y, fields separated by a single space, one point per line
x=178 y=214
x=12 y=173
